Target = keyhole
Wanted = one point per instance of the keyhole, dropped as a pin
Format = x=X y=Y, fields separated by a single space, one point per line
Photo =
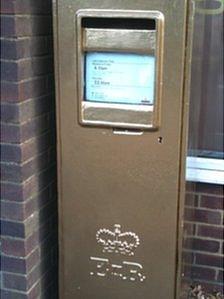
x=160 y=139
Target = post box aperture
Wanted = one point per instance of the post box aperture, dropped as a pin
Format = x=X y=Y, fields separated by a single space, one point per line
x=120 y=68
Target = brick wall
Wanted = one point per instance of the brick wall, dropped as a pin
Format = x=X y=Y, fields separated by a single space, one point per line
x=28 y=176
x=203 y=241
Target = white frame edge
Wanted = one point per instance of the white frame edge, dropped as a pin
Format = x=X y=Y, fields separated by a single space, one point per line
x=205 y=170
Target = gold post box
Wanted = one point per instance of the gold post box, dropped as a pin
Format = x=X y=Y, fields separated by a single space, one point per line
x=122 y=98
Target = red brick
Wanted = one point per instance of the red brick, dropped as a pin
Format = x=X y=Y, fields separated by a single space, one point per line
x=13 y=294
x=199 y=273
x=212 y=189
x=9 y=70
x=21 y=229
x=35 y=66
x=187 y=257
x=25 y=47
x=16 y=92
x=9 y=91
x=11 y=172
x=212 y=202
x=203 y=216
x=34 y=25
x=23 y=247
x=209 y=260
x=12 y=210
x=20 y=172
x=21 y=152
x=24 y=25
x=38 y=200
x=13 y=264
x=202 y=245
x=220 y=276
x=24 y=283
x=13 y=247
x=35 y=292
x=20 y=211
x=14 y=281
x=11 y=228
x=36 y=106
x=211 y=231
x=10 y=112
x=35 y=127
x=20 y=265
x=7 y=6
x=189 y=229
x=8 y=26
x=9 y=48
x=31 y=242
x=11 y=153
x=26 y=68
x=191 y=199
x=190 y=187
x=12 y=133
x=32 y=205
x=12 y=191
x=37 y=145
x=32 y=260
x=26 y=7
x=21 y=192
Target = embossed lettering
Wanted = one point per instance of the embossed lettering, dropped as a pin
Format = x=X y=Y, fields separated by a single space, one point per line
x=101 y=266
x=134 y=271
x=127 y=271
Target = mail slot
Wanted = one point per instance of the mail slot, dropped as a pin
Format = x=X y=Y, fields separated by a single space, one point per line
x=122 y=104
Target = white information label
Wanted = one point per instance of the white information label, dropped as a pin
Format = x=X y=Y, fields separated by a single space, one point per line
x=119 y=78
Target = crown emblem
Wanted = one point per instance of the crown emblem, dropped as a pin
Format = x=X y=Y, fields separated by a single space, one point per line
x=117 y=242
